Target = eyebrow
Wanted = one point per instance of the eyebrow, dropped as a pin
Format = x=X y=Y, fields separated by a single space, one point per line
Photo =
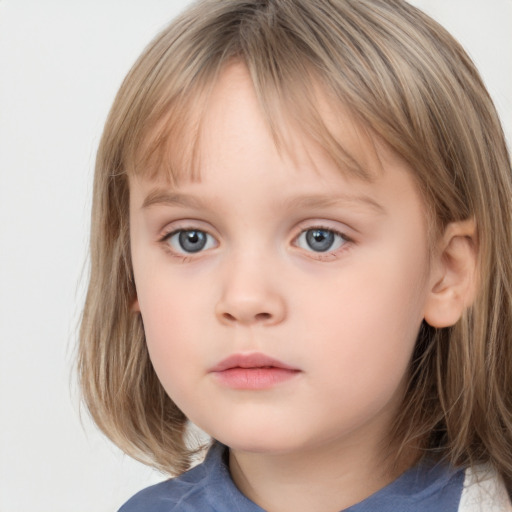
x=325 y=201
x=164 y=197
x=313 y=201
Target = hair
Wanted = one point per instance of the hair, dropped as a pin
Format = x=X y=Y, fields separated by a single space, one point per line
x=406 y=79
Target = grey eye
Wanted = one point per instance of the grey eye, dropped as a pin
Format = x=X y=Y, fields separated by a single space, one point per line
x=320 y=240
x=190 y=241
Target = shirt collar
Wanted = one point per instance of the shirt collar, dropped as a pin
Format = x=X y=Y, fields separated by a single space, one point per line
x=427 y=487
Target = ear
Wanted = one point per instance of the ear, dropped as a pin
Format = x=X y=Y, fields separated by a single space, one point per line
x=453 y=280
x=135 y=308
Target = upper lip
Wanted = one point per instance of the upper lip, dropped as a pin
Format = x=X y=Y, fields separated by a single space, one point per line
x=255 y=360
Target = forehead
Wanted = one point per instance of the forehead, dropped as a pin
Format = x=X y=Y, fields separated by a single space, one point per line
x=179 y=144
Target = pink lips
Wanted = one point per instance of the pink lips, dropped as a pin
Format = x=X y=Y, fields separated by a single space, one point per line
x=252 y=371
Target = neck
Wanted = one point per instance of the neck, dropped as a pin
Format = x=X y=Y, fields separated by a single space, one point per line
x=328 y=478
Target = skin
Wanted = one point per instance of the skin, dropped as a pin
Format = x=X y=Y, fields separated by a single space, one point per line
x=347 y=318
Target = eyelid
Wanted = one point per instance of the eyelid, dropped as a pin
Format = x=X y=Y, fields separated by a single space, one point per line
x=337 y=227
x=185 y=225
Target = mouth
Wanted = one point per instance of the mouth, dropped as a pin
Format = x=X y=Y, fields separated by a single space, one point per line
x=252 y=372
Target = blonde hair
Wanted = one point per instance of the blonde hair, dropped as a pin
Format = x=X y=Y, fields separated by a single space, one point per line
x=406 y=79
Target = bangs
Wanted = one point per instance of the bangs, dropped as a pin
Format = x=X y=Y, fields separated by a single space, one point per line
x=172 y=83
x=169 y=146
x=293 y=106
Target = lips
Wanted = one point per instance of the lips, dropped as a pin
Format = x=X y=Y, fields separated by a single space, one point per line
x=252 y=372
x=255 y=360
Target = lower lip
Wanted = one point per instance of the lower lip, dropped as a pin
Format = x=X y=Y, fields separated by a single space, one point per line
x=255 y=378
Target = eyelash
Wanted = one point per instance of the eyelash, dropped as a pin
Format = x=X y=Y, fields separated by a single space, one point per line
x=329 y=253
x=321 y=255
x=182 y=256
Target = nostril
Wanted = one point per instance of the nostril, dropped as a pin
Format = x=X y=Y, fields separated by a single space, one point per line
x=260 y=317
x=229 y=317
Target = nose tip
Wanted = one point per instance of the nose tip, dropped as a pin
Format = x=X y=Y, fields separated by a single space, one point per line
x=263 y=309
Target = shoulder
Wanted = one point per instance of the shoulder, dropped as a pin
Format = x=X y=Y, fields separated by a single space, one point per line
x=184 y=493
x=206 y=487
x=484 y=491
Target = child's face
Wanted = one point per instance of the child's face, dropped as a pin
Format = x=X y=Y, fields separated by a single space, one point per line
x=286 y=258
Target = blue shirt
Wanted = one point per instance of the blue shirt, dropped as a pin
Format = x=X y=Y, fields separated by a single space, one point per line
x=208 y=487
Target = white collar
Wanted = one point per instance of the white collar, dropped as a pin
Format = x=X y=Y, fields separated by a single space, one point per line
x=484 y=491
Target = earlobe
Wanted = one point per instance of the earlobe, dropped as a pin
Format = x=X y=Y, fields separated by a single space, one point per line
x=454 y=275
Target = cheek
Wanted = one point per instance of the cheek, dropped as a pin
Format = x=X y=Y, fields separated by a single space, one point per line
x=370 y=317
x=174 y=317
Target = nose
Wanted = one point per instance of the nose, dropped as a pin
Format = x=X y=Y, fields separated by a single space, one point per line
x=250 y=296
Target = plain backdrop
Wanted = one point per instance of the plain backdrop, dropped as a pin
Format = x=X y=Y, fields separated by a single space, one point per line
x=61 y=63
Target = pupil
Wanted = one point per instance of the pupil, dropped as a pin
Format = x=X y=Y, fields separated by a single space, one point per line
x=192 y=241
x=320 y=240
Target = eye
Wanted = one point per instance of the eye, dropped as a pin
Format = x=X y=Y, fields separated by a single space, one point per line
x=320 y=240
x=190 y=241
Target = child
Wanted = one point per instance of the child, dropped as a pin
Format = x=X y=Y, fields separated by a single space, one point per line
x=301 y=241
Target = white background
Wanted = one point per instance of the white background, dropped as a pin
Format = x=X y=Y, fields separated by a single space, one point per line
x=61 y=63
